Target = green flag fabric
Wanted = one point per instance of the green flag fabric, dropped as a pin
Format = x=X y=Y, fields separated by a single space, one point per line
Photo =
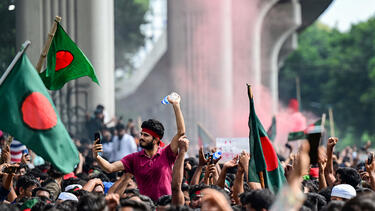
x=263 y=156
x=28 y=114
x=65 y=62
x=271 y=132
x=204 y=139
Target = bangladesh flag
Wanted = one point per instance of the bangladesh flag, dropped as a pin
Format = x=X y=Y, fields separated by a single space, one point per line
x=204 y=139
x=263 y=156
x=271 y=132
x=313 y=128
x=28 y=114
x=65 y=62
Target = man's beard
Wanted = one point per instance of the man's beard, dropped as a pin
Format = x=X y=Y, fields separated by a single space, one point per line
x=148 y=146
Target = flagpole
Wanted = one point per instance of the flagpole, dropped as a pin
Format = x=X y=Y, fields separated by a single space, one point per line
x=47 y=44
x=322 y=128
x=298 y=90
x=25 y=45
x=331 y=123
x=261 y=178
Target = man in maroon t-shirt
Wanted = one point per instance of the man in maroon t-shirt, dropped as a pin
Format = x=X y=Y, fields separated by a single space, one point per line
x=152 y=167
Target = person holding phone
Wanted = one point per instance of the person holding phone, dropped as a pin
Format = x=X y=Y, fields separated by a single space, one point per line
x=152 y=167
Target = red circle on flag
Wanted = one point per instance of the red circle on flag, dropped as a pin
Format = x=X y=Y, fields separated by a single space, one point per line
x=37 y=112
x=63 y=59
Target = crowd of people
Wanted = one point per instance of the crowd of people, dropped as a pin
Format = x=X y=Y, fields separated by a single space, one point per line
x=131 y=168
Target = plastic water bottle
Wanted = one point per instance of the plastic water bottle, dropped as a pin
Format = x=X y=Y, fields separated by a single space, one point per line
x=173 y=96
x=216 y=155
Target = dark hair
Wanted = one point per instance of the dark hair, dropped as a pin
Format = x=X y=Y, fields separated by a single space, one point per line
x=360 y=202
x=179 y=208
x=315 y=201
x=259 y=199
x=311 y=185
x=349 y=176
x=147 y=200
x=36 y=172
x=326 y=192
x=8 y=207
x=54 y=173
x=79 y=193
x=67 y=205
x=91 y=202
x=184 y=187
x=164 y=200
x=334 y=205
x=26 y=181
x=72 y=181
x=195 y=188
x=136 y=205
x=42 y=205
x=155 y=126
x=120 y=126
x=42 y=189
x=132 y=191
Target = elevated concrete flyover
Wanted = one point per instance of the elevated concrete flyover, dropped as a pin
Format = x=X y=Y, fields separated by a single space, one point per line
x=213 y=49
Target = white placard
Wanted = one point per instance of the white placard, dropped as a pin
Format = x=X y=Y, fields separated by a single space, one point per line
x=230 y=147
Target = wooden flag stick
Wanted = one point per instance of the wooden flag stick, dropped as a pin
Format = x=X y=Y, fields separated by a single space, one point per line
x=331 y=123
x=298 y=93
x=323 y=122
x=261 y=178
x=47 y=44
x=250 y=92
x=25 y=45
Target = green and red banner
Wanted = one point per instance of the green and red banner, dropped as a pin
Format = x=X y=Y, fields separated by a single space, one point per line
x=204 y=139
x=28 y=114
x=263 y=155
x=312 y=128
x=65 y=62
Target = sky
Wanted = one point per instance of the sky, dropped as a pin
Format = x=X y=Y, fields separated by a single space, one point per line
x=343 y=13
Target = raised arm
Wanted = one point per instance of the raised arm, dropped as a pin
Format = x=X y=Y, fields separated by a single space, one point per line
x=229 y=164
x=104 y=164
x=120 y=185
x=179 y=122
x=178 y=172
x=370 y=168
x=328 y=172
x=202 y=162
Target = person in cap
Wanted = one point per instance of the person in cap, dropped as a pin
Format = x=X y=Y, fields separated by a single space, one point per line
x=152 y=166
x=343 y=192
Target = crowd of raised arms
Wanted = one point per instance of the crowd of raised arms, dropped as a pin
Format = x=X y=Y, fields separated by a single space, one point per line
x=133 y=168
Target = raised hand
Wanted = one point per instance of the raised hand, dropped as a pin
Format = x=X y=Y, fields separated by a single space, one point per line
x=332 y=141
x=370 y=167
x=231 y=163
x=183 y=143
x=176 y=99
x=202 y=160
x=244 y=160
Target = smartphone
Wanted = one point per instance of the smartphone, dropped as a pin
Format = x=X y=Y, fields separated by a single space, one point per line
x=370 y=158
x=97 y=136
x=212 y=159
x=11 y=169
x=25 y=151
x=314 y=141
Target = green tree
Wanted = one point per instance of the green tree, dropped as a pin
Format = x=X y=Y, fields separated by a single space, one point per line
x=129 y=16
x=337 y=69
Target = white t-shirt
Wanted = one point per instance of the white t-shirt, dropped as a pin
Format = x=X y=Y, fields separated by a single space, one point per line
x=122 y=147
